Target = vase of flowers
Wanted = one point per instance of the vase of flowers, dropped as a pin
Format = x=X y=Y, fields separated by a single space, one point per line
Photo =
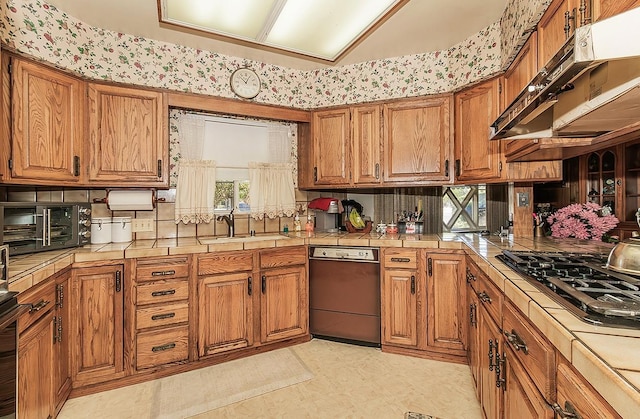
x=588 y=221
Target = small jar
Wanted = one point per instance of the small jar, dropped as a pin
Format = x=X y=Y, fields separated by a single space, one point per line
x=381 y=228
x=392 y=228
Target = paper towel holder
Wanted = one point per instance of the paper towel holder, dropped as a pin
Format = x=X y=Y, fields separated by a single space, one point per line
x=105 y=200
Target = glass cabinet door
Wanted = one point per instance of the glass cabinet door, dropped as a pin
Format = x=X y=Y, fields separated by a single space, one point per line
x=632 y=182
x=601 y=178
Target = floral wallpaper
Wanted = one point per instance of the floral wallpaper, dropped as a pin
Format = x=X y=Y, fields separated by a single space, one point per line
x=47 y=33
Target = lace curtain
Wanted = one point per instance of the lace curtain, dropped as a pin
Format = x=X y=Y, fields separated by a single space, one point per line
x=196 y=184
x=271 y=190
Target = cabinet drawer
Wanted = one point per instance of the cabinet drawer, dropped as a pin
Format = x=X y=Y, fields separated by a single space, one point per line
x=162 y=346
x=489 y=295
x=403 y=259
x=161 y=292
x=225 y=262
x=283 y=257
x=39 y=301
x=162 y=315
x=166 y=268
x=536 y=355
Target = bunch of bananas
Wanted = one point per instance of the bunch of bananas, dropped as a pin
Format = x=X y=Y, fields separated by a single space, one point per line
x=356 y=220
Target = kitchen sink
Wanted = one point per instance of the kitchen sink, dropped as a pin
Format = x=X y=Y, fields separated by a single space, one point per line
x=218 y=240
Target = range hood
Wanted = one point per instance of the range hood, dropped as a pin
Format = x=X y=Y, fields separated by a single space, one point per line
x=589 y=88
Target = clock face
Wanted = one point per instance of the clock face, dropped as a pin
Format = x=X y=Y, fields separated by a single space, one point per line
x=245 y=83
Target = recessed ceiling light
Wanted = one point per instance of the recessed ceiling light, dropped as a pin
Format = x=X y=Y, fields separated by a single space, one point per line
x=323 y=29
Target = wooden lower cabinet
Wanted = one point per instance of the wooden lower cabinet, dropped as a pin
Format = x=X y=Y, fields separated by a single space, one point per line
x=521 y=398
x=284 y=308
x=446 y=326
x=400 y=304
x=98 y=324
x=44 y=378
x=576 y=397
x=226 y=312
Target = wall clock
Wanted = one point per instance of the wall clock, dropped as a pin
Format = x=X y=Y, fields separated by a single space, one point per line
x=245 y=83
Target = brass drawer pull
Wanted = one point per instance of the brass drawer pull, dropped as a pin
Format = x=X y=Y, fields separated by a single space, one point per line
x=162 y=293
x=164 y=347
x=163 y=273
x=39 y=306
x=163 y=316
x=403 y=260
x=568 y=412
x=516 y=341
x=484 y=297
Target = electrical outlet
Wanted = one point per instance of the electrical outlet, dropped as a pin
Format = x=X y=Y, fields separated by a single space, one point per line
x=523 y=199
x=142 y=224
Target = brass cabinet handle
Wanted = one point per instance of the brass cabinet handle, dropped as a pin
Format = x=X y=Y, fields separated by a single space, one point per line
x=430 y=266
x=250 y=285
x=402 y=260
x=377 y=171
x=492 y=346
x=164 y=347
x=163 y=316
x=569 y=411
x=484 y=297
x=413 y=284
x=163 y=273
x=501 y=381
x=118 y=281
x=162 y=293
x=473 y=319
x=470 y=276
x=516 y=341
x=38 y=306
x=264 y=284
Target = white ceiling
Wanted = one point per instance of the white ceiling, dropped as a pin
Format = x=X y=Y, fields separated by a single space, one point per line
x=420 y=26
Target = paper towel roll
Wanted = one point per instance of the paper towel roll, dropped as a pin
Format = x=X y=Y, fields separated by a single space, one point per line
x=131 y=200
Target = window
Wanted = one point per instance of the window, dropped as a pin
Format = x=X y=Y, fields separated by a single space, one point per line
x=233 y=143
x=464 y=208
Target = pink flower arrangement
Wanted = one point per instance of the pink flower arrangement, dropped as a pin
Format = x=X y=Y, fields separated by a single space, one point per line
x=583 y=221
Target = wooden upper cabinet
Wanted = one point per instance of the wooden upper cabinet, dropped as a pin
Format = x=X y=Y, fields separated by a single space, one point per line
x=521 y=71
x=47 y=124
x=331 y=147
x=366 y=126
x=417 y=140
x=551 y=28
x=477 y=157
x=128 y=141
x=603 y=9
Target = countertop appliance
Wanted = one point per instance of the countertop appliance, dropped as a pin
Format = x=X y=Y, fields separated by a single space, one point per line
x=590 y=87
x=344 y=294
x=581 y=283
x=32 y=227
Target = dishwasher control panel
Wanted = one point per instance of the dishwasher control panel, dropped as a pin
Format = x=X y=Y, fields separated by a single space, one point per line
x=344 y=253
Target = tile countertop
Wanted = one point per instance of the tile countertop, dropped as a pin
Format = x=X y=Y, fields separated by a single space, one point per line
x=606 y=356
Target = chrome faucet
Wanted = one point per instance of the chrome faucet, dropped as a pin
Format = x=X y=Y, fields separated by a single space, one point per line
x=230 y=222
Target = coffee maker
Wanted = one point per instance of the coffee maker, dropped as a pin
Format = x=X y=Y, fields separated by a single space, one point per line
x=328 y=220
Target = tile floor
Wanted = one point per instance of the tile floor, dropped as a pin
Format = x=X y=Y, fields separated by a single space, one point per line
x=350 y=382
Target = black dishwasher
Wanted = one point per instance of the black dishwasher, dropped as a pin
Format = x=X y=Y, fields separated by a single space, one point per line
x=344 y=294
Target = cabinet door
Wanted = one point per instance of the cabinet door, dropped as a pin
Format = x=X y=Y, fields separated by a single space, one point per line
x=225 y=321
x=366 y=145
x=522 y=399
x=551 y=29
x=97 y=324
x=284 y=303
x=521 y=71
x=417 y=140
x=127 y=136
x=445 y=314
x=490 y=343
x=603 y=9
x=35 y=355
x=61 y=341
x=399 y=308
x=331 y=139
x=477 y=158
x=47 y=124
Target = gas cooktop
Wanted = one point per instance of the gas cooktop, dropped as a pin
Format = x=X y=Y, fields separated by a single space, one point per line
x=581 y=283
